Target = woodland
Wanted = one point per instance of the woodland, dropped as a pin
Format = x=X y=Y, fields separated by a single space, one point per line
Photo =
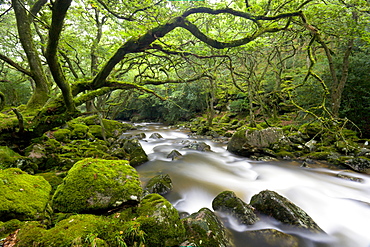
x=214 y=66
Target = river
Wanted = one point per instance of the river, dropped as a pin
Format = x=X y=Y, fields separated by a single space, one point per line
x=341 y=207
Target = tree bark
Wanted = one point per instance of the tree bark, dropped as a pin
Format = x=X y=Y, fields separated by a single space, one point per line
x=59 y=11
x=24 y=21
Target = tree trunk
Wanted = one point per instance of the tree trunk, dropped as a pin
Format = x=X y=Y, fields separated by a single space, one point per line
x=41 y=91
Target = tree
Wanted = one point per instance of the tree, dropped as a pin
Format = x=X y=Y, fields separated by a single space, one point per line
x=149 y=45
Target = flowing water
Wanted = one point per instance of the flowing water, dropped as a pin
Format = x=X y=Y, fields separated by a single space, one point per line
x=341 y=207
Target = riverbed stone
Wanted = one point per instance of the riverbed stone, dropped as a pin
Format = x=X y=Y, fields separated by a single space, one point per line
x=274 y=205
x=227 y=202
x=203 y=228
x=359 y=164
x=160 y=221
x=160 y=184
x=97 y=185
x=155 y=136
x=247 y=142
x=174 y=155
x=270 y=238
x=22 y=196
x=199 y=146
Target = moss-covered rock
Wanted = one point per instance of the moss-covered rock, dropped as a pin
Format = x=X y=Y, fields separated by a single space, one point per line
x=62 y=135
x=160 y=184
x=8 y=157
x=53 y=179
x=229 y=203
x=78 y=131
x=78 y=230
x=247 y=142
x=22 y=196
x=205 y=229
x=270 y=238
x=131 y=150
x=160 y=221
x=8 y=227
x=272 y=204
x=97 y=185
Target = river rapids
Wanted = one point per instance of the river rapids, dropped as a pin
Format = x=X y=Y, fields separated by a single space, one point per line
x=341 y=207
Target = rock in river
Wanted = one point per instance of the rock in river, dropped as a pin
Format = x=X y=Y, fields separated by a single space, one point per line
x=97 y=185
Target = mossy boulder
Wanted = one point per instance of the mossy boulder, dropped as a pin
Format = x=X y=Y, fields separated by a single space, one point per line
x=62 y=135
x=227 y=202
x=22 y=196
x=270 y=238
x=9 y=227
x=247 y=142
x=131 y=150
x=272 y=204
x=78 y=131
x=7 y=157
x=160 y=221
x=94 y=185
x=77 y=230
x=205 y=229
x=160 y=184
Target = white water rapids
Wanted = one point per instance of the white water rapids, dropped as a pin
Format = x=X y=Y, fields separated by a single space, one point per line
x=339 y=206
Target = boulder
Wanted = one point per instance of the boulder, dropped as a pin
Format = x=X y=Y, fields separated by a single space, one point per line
x=160 y=221
x=160 y=184
x=155 y=136
x=199 y=146
x=270 y=238
x=205 y=229
x=227 y=202
x=174 y=155
x=7 y=157
x=247 y=142
x=96 y=185
x=131 y=150
x=22 y=196
x=272 y=204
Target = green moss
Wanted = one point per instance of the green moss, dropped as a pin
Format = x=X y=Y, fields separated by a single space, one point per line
x=283 y=154
x=31 y=234
x=53 y=179
x=95 y=185
x=96 y=131
x=79 y=131
x=22 y=196
x=205 y=229
x=160 y=221
x=9 y=227
x=62 y=135
x=7 y=157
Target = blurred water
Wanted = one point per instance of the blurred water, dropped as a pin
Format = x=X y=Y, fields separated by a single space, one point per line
x=340 y=207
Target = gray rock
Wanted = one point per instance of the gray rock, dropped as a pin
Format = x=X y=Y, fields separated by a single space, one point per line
x=160 y=184
x=174 y=155
x=270 y=238
x=155 y=136
x=272 y=204
x=227 y=202
x=248 y=142
x=205 y=229
x=359 y=164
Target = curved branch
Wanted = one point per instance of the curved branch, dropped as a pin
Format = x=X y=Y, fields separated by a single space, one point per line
x=143 y=42
x=15 y=65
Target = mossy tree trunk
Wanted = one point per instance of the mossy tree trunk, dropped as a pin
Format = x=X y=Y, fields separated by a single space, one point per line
x=59 y=11
x=24 y=20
